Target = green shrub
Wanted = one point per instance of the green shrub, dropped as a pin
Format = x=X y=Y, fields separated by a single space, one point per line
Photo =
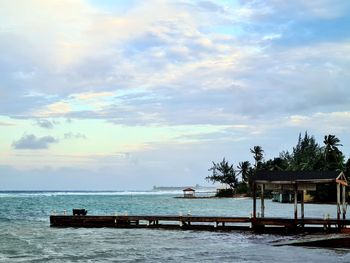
x=225 y=193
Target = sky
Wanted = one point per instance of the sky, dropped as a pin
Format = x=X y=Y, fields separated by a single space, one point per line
x=124 y=95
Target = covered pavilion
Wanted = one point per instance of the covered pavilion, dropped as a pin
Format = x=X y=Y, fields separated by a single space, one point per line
x=299 y=181
x=189 y=192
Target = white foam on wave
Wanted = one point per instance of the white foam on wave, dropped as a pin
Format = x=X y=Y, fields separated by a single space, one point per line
x=97 y=193
x=92 y=193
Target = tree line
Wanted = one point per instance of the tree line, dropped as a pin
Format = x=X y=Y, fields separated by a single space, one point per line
x=306 y=155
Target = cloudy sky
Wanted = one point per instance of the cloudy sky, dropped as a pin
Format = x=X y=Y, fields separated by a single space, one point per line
x=102 y=94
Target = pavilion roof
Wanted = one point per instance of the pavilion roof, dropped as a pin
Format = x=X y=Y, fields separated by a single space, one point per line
x=189 y=189
x=298 y=176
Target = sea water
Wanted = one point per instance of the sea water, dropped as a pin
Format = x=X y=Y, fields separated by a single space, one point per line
x=26 y=236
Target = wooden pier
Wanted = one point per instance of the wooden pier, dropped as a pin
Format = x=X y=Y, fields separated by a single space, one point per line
x=211 y=223
x=273 y=180
x=153 y=221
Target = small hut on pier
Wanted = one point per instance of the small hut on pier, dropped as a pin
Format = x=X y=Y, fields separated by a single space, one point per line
x=189 y=192
x=299 y=181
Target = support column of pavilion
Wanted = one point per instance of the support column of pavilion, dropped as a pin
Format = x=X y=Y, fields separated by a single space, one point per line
x=254 y=200
x=262 y=206
x=302 y=203
x=341 y=202
x=295 y=204
x=344 y=201
x=254 y=222
x=302 y=216
x=338 y=204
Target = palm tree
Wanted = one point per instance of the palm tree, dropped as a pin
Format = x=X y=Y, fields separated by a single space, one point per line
x=331 y=144
x=243 y=170
x=258 y=155
x=332 y=154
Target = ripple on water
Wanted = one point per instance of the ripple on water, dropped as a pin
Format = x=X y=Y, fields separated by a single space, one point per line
x=25 y=234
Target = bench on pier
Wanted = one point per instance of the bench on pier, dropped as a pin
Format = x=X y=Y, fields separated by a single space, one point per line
x=79 y=212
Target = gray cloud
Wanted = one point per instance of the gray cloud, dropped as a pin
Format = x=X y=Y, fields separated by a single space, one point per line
x=46 y=124
x=31 y=142
x=70 y=135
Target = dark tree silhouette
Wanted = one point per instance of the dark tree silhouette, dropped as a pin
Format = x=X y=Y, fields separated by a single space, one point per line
x=223 y=173
x=258 y=153
x=306 y=155
x=244 y=170
x=332 y=155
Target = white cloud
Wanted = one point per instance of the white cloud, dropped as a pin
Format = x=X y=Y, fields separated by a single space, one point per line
x=323 y=122
x=326 y=9
x=59 y=25
x=298 y=120
x=56 y=109
x=92 y=95
x=297 y=9
x=272 y=36
x=2 y=123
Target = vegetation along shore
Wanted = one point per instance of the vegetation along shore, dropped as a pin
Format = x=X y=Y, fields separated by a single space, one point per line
x=306 y=155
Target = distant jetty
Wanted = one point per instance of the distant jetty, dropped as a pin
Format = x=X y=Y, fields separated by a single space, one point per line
x=180 y=188
x=168 y=188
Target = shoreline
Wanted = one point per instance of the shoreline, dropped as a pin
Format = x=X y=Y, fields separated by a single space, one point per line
x=210 y=197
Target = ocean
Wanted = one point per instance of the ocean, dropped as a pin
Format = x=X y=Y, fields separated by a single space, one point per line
x=26 y=235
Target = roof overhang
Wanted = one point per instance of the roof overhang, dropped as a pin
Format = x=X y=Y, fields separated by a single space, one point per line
x=340 y=179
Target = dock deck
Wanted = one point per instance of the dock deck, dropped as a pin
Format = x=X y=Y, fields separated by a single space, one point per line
x=212 y=223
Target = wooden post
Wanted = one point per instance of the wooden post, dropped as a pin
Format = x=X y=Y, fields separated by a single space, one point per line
x=295 y=202
x=262 y=200
x=344 y=201
x=302 y=204
x=338 y=203
x=254 y=200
